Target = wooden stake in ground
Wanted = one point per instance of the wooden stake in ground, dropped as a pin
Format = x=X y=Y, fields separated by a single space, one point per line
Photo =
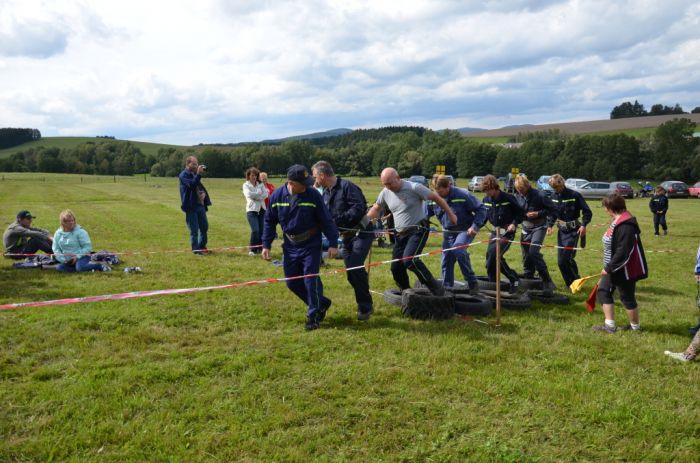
x=498 y=276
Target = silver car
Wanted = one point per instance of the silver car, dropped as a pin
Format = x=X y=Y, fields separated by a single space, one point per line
x=475 y=183
x=594 y=189
x=575 y=183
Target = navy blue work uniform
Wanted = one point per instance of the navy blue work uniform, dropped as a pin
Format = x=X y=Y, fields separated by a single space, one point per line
x=348 y=208
x=569 y=206
x=470 y=213
x=534 y=230
x=195 y=202
x=303 y=217
x=658 y=205
x=502 y=211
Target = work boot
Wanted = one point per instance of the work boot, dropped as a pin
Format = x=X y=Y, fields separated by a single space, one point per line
x=473 y=288
x=324 y=308
x=363 y=316
x=436 y=287
x=517 y=288
x=548 y=288
x=311 y=324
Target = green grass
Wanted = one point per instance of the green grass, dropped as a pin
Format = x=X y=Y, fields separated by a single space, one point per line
x=231 y=375
x=72 y=142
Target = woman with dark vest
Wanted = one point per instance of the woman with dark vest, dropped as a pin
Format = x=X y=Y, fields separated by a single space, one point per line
x=624 y=264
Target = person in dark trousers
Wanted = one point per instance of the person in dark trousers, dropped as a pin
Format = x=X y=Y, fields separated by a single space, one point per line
x=504 y=212
x=471 y=215
x=406 y=202
x=21 y=238
x=571 y=215
x=623 y=264
x=299 y=209
x=348 y=209
x=658 y=205
x=255 y=194
x=537 y=207
x=194 y=203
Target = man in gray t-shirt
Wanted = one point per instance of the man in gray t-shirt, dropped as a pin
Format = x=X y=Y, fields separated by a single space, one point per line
x=405 y=201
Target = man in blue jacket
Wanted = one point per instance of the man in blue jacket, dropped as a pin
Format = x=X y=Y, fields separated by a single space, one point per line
x=299 y=209
x=471 y=215
x=348 y=209
x=195 y=203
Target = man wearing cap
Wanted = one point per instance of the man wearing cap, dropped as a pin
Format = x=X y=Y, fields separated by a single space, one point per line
x=299 y=209
x=21 y=238
x=348 y=208
x=194 y=203
x=406 y=202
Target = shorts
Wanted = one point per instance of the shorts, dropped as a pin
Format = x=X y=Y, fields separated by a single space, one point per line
x=626 y=290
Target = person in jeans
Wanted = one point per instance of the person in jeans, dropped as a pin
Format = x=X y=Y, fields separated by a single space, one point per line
x=471 y=215
x=504 y=212
x=405 y=200
x=537 y=207
x=21 y=239
x=658 y=205
x=270 y=187
x=623 y=264
x=255 y=194
x=195 y=203
x=72 y=247
x=694 y=348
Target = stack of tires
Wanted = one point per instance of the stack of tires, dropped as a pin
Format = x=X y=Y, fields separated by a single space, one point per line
x=419 y=303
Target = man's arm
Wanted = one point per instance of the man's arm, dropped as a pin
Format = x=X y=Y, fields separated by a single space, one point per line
x=269 y=227
x=444 y=206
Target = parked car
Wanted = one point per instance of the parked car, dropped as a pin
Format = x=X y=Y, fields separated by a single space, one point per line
x=418 y=179
x=623 y=188
x=452 y=180
x=695 y=190
x=575 y=183
x=543 y=184
x=675 y=189
x=594 y=189
x=475 y=183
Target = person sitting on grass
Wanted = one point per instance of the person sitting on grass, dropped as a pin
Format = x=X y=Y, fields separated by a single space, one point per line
x=21 y=239
x=72 y=247
x=694 y=348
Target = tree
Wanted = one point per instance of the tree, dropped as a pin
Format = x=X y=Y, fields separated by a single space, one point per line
x=628 y=109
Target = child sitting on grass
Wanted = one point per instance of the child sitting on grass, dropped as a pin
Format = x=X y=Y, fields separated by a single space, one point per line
x=694 y=348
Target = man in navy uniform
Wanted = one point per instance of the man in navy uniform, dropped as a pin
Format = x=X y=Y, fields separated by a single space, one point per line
x=503 y=212
x=569 y=205
x=348 y=209
x=471 y=215
x=300 y=211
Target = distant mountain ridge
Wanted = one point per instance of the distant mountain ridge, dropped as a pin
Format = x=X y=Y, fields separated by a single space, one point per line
x=309 y=136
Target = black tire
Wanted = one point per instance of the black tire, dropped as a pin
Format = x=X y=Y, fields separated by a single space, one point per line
x=422 y=305
x=532 y=283
x=460 y=287
x=393 y=296
x=508 y=300
x=484 y=283
x=472 y=305
x=553 y=298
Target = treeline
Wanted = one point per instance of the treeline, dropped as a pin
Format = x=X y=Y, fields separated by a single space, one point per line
x=10 y=137
x=670 y=153
x=636 y=109
x=103 y=158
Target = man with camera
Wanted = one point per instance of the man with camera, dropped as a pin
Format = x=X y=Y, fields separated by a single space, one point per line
x=195 y=203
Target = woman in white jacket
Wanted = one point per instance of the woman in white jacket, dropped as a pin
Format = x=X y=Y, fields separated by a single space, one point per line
x=255 y=193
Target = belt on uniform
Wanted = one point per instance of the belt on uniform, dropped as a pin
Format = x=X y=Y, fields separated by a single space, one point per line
x=423 y=224
x=533 y=223
x=303 y=236
x=568 y=226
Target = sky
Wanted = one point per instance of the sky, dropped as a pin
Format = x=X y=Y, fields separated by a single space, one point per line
x=207 y=71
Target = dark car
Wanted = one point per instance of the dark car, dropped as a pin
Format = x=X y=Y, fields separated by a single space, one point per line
x=624 y=189
x=675 y=189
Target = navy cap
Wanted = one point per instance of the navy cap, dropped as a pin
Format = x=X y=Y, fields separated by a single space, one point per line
x=298 y=173
x=25 y=215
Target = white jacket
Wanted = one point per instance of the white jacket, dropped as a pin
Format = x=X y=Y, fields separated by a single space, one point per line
x=255 y=196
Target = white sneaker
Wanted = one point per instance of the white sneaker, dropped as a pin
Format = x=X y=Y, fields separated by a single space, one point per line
x=106 y=268
x=251 y=253
x=677 y=355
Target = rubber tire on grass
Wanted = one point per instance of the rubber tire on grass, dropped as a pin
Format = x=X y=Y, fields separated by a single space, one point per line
x=420 y=304
x=460 y=287
x=484 y=283
x=393 y=296
x=532 y=283
x=508 y=300
x=472 y=305
x=555 y=298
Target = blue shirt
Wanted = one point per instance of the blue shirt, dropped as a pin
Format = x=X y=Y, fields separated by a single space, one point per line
x=569 y=205
x=189 y=184
x=297 y=215
x=468 y=209
x=503 y=210
x=346 y=203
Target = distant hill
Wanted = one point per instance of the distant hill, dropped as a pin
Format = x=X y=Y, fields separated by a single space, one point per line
x=575 y=128
x=308 y=136
x=464 y=130
x=71 y=142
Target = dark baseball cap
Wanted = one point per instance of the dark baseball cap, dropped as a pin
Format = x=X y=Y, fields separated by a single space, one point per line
x=298 y=173
x=25 y=215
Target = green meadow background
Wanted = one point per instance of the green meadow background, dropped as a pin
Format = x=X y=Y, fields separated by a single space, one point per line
x=231 y=375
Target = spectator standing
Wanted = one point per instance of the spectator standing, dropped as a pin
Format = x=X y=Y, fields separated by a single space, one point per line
x=255 y=193
x=194 y=203
x=658 y=204
x=270 y=188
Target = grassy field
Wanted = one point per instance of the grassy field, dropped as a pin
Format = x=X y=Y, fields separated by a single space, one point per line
x=231 y=375
x=72 y=142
